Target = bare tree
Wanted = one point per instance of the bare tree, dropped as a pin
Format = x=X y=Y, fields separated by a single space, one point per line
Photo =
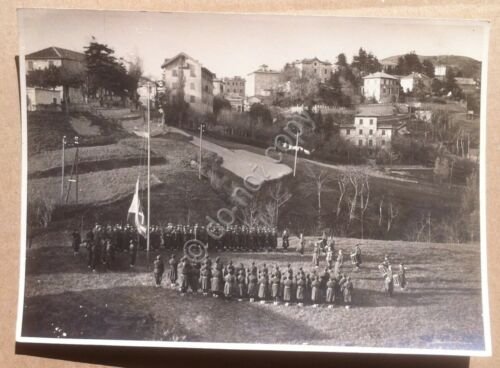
x=280 y=196
x=364 y=199
x=250 y=213
x=342 y=182
x=380 y=211
x=320 y=178
x=392 y=213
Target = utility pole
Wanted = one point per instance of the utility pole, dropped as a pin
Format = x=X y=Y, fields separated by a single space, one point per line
x=296 y=153
x=63 y=163
x=76 y=167
x=201 y=128
x=149 y=168
x=74 y=172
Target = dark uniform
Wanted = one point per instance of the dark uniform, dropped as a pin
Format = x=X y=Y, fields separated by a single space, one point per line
x=133 y=252
x=77 y=239
x=158 y=269
x=285 y=242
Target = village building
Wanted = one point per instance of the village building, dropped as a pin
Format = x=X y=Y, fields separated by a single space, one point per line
x=262 y=82
x=374 y=127
x=218 y=87
x=381 y=87
x=70 y=62
x=440 y=71
x=235 y=86
x=186 y=75
x=412 y=80
x=142 y=90
x=321 y=69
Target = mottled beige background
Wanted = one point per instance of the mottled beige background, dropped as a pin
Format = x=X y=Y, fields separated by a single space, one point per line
x=10 y=162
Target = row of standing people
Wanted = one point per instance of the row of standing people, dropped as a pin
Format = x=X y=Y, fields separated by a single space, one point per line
x=174 y=237
x=257 y=284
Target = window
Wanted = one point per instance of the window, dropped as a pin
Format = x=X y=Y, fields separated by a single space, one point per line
x=371 y=121
x=174 y=85
x=192 y=99
x=383 y=142
x=370 y=143
x=360 y=142
x=51 y=63
x=174 y=72
x=191 y=71
x=191 y=86
x=30 y=65
x=371 y=131
x=206 y=88
x=383 y=131
x=348 y=131
x=360 y=121
x=326 y=71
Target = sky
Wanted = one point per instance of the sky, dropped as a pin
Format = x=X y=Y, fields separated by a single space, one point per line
x=236 y=44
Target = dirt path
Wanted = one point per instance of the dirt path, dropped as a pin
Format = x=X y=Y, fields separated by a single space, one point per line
x=255 y=167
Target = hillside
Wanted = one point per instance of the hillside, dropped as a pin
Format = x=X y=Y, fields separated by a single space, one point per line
x=471 y=68
x=441 y=308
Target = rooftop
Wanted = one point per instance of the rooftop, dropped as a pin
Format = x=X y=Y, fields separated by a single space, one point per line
x=379 y=75
x=265 y=69
x=311 y=60
x=56 y=53
x=376 y=110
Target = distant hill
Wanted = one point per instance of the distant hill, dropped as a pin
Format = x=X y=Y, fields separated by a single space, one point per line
x=471 y=68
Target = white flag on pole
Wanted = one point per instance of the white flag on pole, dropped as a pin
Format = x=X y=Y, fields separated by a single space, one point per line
x=136 y=210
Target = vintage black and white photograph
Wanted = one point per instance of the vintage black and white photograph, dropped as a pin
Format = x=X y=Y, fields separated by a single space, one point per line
x=253 y=181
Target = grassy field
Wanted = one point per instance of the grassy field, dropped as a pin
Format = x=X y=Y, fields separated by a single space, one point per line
x=47 y=128
x=48 y=163
x=441 y=307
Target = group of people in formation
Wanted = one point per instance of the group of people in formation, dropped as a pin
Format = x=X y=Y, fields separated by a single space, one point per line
x=257 y=283
x=173 y=237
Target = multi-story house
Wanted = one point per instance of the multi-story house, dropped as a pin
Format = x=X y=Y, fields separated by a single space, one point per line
x=235 y=86
x=410 y=81
x=262 y=82
x=70 y=62
x=381 y=87
x=182 y=73
x=374 y=128
x=440 y=71
x=321 y=69
x=219 y=87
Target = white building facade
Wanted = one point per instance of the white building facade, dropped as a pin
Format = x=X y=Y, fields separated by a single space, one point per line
x=373 y=132
x=196 y=81
x=381 y=87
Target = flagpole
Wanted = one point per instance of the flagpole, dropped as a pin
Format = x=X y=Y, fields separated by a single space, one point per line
x=296 y=152
x=149 y=170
